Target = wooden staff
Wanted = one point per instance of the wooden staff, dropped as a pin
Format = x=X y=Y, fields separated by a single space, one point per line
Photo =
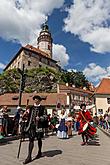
x=19 y=147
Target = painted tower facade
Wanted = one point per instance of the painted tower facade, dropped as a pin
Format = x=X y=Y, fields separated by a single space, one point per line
x=45 y=40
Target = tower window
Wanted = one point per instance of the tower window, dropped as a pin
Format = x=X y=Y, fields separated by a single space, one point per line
x=40 y=66
x=18 y=64
x=40 y=59
x=48 y=47
x=29 y=63
x=30 y=54
x=48 y=63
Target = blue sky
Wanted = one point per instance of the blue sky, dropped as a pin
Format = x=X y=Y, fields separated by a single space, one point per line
x=80 y=31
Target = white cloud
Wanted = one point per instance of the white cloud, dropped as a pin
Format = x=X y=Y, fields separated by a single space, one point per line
x=2 y=66
x=60 y=54
x=20 y=20
x=72 y=70
x=95 y=73
x=90 y=20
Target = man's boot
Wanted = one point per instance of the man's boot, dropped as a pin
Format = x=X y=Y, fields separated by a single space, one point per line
x=39 y=155
x=29 y=158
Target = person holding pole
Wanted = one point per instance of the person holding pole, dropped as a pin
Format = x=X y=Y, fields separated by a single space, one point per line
x=34 y=129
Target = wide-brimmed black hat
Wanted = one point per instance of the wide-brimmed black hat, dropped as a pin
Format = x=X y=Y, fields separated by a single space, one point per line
x=37 y=97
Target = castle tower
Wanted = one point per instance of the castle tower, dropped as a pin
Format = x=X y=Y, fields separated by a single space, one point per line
x=45 y=40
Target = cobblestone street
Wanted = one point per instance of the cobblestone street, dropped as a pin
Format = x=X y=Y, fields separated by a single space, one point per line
x=58 y=152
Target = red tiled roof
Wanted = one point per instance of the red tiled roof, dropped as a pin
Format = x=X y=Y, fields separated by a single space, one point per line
x=51 y=99
x=36 y=50
x=65 y=88
x=104 y=87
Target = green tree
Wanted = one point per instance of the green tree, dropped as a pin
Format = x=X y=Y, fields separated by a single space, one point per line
x=40 y=80
x=9 y=81
x=75 y=78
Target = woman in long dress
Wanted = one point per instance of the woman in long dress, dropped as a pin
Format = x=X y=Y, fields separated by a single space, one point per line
x=62 y=129
x=69 y=122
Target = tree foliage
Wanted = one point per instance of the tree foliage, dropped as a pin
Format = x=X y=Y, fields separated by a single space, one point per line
x=40 y=80
x=77 y=79
x=9 y=81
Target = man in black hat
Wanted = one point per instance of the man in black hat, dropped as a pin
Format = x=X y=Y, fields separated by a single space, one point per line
x=36 y=119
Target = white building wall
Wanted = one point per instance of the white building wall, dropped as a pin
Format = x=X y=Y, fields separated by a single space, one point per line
x=68 y=100
x=101 y=103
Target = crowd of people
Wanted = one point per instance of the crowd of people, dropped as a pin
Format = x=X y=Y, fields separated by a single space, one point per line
x=61 y=125
x=10 y=125
x=104 y=121
x=15 y=125
x=34 y=122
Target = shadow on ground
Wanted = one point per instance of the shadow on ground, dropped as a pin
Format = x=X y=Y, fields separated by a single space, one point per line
x=52 y=153
x=5 y=143
x=75 y=134
x=94 y=141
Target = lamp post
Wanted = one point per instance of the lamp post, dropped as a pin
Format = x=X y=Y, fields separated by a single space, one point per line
x=22 y=83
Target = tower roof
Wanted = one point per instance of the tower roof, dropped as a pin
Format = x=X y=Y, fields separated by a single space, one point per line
x=45 y=25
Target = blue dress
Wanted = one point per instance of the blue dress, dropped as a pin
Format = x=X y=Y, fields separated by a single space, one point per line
x=62 y=130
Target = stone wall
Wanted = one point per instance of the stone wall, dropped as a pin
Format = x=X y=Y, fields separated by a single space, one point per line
x=32 y=60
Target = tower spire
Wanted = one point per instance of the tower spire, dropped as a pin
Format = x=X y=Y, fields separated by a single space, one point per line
x=45 y=24
x=46 y=19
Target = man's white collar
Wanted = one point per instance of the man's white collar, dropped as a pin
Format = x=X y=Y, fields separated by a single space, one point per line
x=36 y=105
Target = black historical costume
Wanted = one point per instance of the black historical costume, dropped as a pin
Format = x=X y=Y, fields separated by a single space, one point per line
x=35 y=127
